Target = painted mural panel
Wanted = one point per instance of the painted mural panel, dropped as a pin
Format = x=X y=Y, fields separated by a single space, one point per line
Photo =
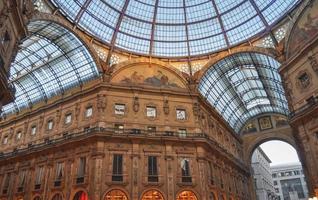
x=305 y=29
x=148 y=75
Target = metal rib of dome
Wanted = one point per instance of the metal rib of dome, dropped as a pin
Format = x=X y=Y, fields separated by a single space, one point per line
x=174 y=28
x=243 y=86
x=49 y=61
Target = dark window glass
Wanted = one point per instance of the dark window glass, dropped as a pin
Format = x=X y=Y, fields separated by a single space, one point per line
x=292 y=185
x=185 y=171
x=117 y=167
x=152 y=169
x=81 y=167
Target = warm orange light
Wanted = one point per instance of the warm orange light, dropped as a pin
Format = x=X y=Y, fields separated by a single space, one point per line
x=152 y=195
x=187 y=195
x=116 y=195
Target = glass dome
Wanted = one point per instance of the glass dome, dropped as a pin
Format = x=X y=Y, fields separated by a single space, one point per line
x=174 y=28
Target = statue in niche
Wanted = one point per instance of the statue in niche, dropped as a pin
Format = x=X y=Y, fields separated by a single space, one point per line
x=41 y=121
x=166 y=106
x=77 y=110
x=303 y=80
x=136 y=104
x=101 y=102
x=196 y=109
x=314 y=63
x=58 y=115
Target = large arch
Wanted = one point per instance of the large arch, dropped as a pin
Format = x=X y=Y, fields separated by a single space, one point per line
x=119 y=192
x=250 y=82
x=252 y=141
x=187 y=194
x=152 y=194
x=50 y=61
x=134 y=63
x=302 y=31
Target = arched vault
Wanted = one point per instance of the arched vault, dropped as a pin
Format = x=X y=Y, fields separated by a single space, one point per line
x=242 y=86
x=49 y=61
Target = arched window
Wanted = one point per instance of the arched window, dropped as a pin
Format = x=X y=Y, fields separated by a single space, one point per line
x=116 y=195
x=37 y=198
x=186 y=195
x=152 y=195
x=81 y=196
x=57 y=197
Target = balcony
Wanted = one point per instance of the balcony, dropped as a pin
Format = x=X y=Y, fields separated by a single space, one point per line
x=58 y=183
x=153 y=179
x=311 y=103
x=20 y=189
x=117 y=178
x=66 y=138
x=37 y=186
x=186 y=179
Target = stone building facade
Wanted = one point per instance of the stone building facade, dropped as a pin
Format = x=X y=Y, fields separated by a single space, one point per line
x=140 y=128
x=289 y=181
x=262 y=176
x=90 y=125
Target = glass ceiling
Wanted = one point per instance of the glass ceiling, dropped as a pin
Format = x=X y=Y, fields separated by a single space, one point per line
x=243 y=86
x=49 y=61
x=174 y=28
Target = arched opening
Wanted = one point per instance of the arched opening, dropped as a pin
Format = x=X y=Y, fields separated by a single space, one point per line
x=57 y=196
x=116 y=195
x=152 y=195
x=37 y=198
x=186 y=195
x=81 y=196
x=277 y=172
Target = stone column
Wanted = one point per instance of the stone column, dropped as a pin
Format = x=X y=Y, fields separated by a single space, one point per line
x=170 y=176
x=202 y=179
x=135 y=157
x=95 y=171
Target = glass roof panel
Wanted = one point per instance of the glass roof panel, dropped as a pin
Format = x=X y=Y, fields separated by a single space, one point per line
x=49 y=61
x=202 y=26
x=242 y=86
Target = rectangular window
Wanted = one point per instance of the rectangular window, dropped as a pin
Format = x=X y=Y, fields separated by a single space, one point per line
x=185 y=171
x=152 y=169
x=50 y=125
x=119 y=109
x=81 y=167
x=22 y=179
x=211 y=173
x=33 y=130
x=6 y=183
x=39 y=176
x=89 y=111
x=68 y=118
x=119 y=128
x=117 y=168
x=81 y=170
x=19 y=135
x=182 y=133
x=181 y=114
x=151 y=111
x=59 y=170
x=151 y=129
x=5 y=140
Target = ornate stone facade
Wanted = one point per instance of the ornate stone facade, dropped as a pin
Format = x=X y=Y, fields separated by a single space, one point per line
x=46 y=136
x=12 y=30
